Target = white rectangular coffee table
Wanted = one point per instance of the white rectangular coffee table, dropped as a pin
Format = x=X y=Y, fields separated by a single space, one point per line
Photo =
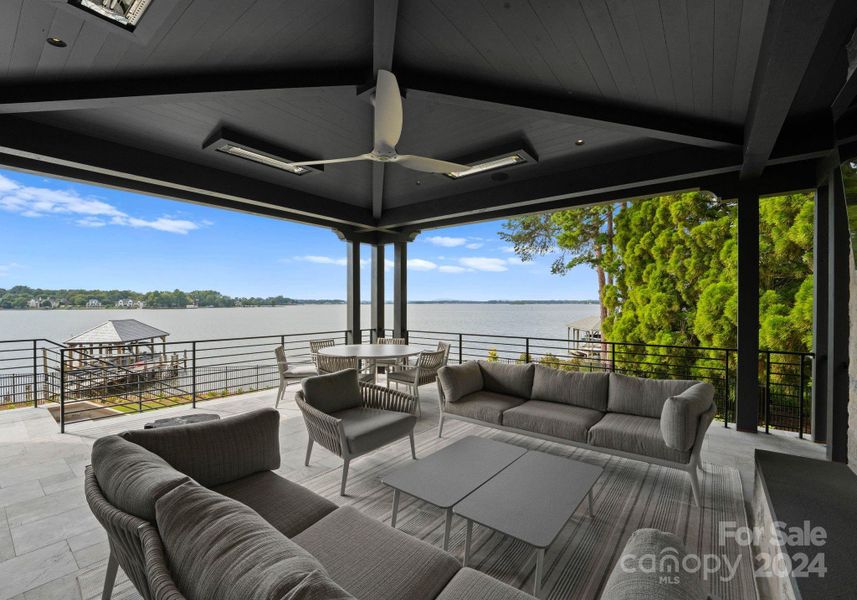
x=449 y=475
x=531 y=500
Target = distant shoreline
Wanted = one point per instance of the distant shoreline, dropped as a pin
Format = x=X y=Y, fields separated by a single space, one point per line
x=301 y=303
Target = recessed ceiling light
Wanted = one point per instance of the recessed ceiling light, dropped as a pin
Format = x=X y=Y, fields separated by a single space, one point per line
x=55 y=41
x=489 y=165
x=579 y=143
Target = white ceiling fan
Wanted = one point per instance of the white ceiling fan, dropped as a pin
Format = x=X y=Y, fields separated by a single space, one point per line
x=388 y=129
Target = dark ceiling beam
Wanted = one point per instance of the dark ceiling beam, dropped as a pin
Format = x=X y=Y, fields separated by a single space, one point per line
x=665 y=167
x=118 y=92
x=131 y=168
x=776 y=180
x=845 y=96
x=385 y=16
x=793 y=30
x=428 y=87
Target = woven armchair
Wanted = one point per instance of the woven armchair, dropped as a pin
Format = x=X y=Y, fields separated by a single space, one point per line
x=383 y=416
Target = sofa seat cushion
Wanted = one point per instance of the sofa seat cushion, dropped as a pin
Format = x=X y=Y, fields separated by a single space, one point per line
x=483 y=406
x=509 y=379
x=637 y=435
x=551 y=418
x=215 y=452
x=571 y=387
x=373 y=561
x=458 y=381
x=636 y=577
x=130 y=477
x=220 y=549
x=473 y=585
x=370 y=428
x=333 y=392
x=289 y=507
x=642 y=397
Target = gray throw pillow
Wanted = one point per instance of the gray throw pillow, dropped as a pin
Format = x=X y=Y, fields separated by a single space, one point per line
x=219 y=549
x=588 y=390
x=642 y=397
x=458 y=381
x=216 y=452
x=511 y=380
x=130 y=477
x=333 y=392
x=680 y=416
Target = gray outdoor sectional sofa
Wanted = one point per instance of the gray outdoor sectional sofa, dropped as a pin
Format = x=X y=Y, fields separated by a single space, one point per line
x=654 y=420
x=196 y=512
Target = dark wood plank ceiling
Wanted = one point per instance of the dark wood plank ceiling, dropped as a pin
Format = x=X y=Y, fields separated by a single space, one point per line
x=640 y=81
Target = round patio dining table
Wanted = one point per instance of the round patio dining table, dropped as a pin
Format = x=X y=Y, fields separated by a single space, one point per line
x=371 y=351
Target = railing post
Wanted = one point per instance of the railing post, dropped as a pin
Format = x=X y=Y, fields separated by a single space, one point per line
x=726 y=390
x=767 y=391
x=527 y=350
x=193 y=374
x=62 y=390
x=460 y=348
x=612 y=357
x=800 y=400
x=35 y=374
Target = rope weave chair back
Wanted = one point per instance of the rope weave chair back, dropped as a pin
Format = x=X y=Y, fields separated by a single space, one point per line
x=391 y=340
x=334 y=364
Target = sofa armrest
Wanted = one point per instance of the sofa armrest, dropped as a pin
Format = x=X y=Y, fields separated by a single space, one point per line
x=216 y=452
x=323 y=429
x=681 y=415
x=469 y=584
x=376 y=396
x=161 y=584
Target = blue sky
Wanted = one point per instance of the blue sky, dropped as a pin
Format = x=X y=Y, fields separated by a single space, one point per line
x=59 y=234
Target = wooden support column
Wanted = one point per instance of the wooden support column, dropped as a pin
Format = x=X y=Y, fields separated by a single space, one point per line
x=353 y=293
x=747 y=388
x=838 y=329
x=819 y=315
x=377 y=314
x=400 y=289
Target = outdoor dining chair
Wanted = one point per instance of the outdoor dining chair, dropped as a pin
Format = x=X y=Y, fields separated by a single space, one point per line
x=390 y=362
x=316 y=345
x=424 y=371
x=335 y=364
x=289 y=373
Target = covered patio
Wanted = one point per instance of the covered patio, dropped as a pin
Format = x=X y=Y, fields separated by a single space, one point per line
x=521 y=108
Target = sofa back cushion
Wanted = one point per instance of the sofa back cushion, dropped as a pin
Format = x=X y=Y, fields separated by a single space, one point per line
x=680 y=416
x=511 y=380
x=642 y=397
x=215 y=452
x=457 y=381
x=130 y=477
x=219 y=549
x=333 y=392
x=588 y=390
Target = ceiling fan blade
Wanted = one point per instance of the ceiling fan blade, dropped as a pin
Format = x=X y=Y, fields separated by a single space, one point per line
x=429 y=165
x=330 y=161
x=388 y=113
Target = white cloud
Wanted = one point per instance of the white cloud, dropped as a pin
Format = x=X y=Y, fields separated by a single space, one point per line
x=480 y=263
x=30 y=201
x=474 y=245
x=453 y=269
x=7 y=268
x=514 y=260
x=507 y=249
x=329 y=260
x=446 y=242
x=418 y=264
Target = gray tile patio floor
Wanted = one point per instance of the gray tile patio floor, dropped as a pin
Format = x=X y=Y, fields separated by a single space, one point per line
x=51 y=546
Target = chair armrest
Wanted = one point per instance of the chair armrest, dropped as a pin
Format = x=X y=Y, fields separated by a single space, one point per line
x=322 y=428
x=375 y=396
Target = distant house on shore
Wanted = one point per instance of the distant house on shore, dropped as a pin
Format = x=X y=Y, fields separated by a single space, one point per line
x=43 y=303
x=93 y=303
x=125 y=303
x=34 y=303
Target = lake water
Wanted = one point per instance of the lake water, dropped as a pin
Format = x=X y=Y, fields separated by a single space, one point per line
x=535 y=320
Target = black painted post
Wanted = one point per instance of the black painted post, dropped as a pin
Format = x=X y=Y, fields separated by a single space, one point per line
x=35 y=374
x=747 y=384
x=400 y=289
x=377 y=315
x=353 y=293
x=838 y=283
x=819 y=315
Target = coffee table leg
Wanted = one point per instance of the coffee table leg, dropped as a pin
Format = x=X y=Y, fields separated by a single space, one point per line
x=589 y=495
x=395 y=508
x=540 y=567
x=446 y=527
x=467 y=538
